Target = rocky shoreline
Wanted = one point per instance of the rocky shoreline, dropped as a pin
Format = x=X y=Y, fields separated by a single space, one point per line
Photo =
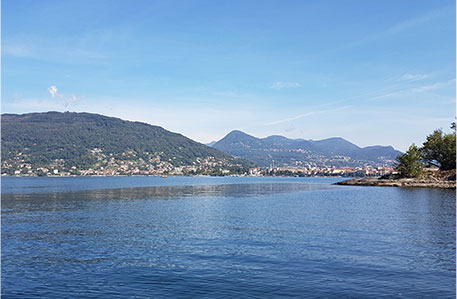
x=440 y=179
x=419 y=183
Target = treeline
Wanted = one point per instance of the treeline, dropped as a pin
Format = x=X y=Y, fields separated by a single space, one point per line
x=439 y=149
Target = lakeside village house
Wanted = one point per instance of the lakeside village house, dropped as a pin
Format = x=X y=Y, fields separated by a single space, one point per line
x=325 y=171
x=127 y=169
x=108 y=166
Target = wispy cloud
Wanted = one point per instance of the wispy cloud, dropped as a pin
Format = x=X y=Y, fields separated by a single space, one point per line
x=411 y=23
x=48 y=49
x=396 y=28
x=306 y=114
x=280 y=85
x=413 y=77
x=232 y=94
x=434 y=86
x=386 y=95
x=16 y=50
x=407 y=89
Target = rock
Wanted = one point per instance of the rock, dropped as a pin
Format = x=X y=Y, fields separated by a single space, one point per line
x=438 y=179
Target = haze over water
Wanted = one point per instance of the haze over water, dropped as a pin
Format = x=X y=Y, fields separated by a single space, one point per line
x=224 y=237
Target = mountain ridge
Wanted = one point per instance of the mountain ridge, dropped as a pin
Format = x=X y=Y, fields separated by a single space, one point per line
x=282 y=151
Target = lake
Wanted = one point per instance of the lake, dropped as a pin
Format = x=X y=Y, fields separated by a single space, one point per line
x=220 y=237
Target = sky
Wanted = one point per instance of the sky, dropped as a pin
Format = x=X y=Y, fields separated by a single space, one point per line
x=374 y=72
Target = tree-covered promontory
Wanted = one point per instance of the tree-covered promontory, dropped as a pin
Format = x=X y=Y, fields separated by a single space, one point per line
x=438 y=149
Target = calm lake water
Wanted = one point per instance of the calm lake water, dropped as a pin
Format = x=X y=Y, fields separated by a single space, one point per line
x=224 y=237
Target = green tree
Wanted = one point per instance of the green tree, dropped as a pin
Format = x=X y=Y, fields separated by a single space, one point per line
x=409 y=164
x=440 y=148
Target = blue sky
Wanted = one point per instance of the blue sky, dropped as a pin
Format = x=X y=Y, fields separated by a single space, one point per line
x=373 y=72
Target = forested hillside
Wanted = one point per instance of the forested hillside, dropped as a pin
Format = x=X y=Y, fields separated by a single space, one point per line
x=77 y=141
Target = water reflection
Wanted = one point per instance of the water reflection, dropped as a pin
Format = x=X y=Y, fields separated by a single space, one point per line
x=74 y=184
x=25 y=201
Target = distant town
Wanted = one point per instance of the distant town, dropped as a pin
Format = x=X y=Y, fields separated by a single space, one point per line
x=129 y=164
x=366 y=171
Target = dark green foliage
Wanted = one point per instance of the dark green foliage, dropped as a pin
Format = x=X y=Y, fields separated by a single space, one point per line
x=441 y=148
x=409 y=164
x=45 y=137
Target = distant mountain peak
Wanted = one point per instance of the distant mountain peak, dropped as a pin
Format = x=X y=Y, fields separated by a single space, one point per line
x=238 y=133
x=282 y=151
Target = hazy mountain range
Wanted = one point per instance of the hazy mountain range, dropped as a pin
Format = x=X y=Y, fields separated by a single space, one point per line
x=282 y=151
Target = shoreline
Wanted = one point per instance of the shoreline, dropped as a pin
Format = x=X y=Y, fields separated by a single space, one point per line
x=357 y=181
x=152 y=175
x=404 y=182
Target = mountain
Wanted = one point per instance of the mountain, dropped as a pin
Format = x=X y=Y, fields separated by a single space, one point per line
x=281 y=151
x=71 y=142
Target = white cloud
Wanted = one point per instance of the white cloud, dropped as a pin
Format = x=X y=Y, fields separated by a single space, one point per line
x=280 y=85
x=52 y=91
x=62 y=99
